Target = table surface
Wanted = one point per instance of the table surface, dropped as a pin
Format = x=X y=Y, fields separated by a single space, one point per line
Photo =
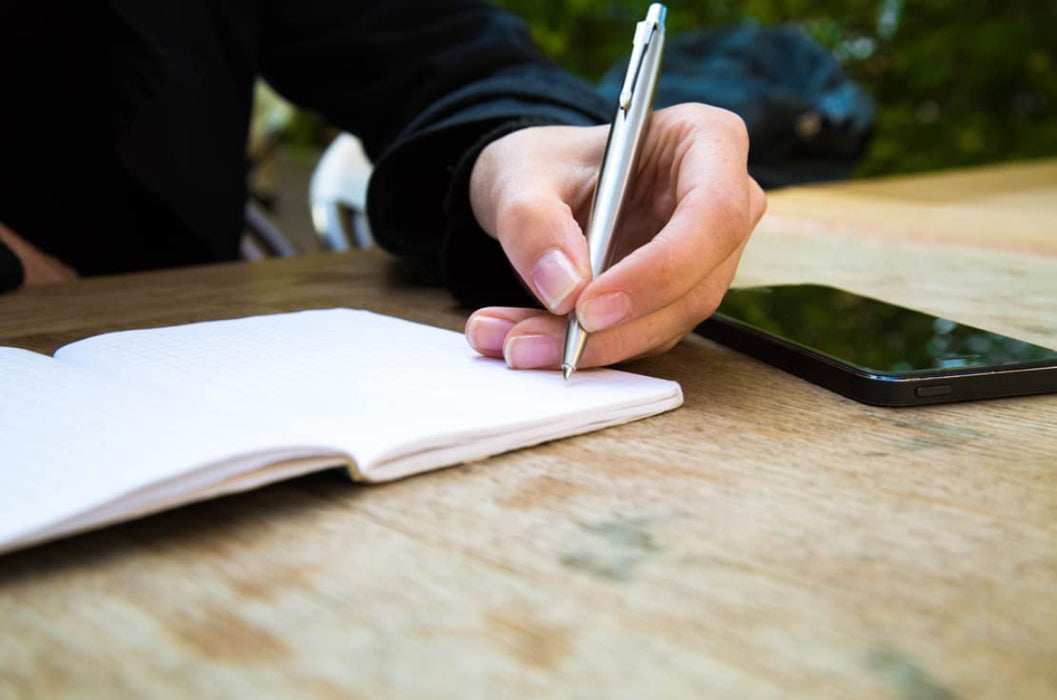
x=768 y=539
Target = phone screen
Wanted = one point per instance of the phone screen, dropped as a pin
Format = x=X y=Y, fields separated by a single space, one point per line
x=876 y=337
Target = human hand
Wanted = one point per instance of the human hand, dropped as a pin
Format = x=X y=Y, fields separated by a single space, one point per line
x=689 y=211
x=37 y=266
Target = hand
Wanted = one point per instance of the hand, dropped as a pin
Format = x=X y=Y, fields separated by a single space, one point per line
x=37 y=266
x=689 y=213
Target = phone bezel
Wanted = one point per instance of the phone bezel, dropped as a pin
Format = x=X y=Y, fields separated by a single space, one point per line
x=882 y=389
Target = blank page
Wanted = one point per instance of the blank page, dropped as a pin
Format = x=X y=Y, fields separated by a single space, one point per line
x=400 y=397
x=71 y=441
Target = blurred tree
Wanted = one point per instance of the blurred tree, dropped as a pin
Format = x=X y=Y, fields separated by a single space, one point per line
x=957 y=83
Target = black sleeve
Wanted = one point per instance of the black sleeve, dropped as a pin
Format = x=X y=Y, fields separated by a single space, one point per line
x=11 y=273
x=425 y=86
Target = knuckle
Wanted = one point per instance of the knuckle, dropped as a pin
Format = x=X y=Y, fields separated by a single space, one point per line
x=671 y=263
x=733 y=126
x=696 y=112
x=658 y=333
x=758 y=200
x=703 y=302
x=719 y=121
x=663 y=343
x=662 y=346
x=672 y=342
x=730 y=214
x=520 y=215
x=516 y=210
x=612 y=348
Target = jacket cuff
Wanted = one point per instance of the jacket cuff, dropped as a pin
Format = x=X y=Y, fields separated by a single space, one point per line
x=418 y=197
x=418 y=202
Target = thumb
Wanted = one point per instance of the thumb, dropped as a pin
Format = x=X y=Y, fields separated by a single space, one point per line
x=546 y=246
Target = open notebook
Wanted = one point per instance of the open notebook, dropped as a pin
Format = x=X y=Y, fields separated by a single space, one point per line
x=124 y=424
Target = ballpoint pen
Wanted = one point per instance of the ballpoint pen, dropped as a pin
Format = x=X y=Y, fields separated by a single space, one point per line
x=626 y=135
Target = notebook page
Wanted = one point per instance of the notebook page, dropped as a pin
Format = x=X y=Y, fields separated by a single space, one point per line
x=376 y=387
x=71 y=441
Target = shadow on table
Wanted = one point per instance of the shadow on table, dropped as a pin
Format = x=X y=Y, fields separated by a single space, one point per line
x=176 y=529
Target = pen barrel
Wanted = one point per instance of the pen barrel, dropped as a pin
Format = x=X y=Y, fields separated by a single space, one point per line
x=575 y=340
x=623 y=147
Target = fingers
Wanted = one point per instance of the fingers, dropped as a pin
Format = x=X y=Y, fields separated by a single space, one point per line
x=487 y=329
x=531 y=339
x=716 y=207
x=534 y=341
x=523 y=190
x=686 y=222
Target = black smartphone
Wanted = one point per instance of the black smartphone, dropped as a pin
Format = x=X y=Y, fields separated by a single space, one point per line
x=876 y=352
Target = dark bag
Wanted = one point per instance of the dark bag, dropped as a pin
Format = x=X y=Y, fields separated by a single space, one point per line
x=807 y=122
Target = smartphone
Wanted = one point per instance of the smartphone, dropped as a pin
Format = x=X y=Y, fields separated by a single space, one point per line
x=876 y=352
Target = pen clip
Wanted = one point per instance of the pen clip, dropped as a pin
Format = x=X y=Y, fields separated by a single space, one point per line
x=645 y=31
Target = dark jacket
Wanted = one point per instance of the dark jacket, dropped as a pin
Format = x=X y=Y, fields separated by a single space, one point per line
x=150 y=171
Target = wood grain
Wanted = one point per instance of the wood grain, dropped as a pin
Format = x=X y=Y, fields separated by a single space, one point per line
x=1001 y=207
x=769 y=539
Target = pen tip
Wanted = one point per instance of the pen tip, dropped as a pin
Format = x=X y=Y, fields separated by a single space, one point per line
x=567 y=371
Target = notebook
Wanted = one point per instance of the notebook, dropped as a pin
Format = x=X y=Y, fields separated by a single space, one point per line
x=124 y=424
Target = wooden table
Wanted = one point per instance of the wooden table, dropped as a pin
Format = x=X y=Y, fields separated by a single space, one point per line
x=769 y=539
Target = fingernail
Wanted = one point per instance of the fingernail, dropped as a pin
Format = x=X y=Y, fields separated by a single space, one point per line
x=604 y=311
x=528 y=351
x=487 y=333
x=554 y=277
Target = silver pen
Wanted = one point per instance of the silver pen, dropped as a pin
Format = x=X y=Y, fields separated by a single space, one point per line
x=618 y=164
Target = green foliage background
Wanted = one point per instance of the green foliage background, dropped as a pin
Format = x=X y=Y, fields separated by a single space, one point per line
x=957 y=82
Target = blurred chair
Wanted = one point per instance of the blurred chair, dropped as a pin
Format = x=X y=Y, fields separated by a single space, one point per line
x=261 y=238
x=270 y=119
x=338 y=195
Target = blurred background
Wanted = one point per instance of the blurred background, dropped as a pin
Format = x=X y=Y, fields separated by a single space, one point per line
x=841 y=88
